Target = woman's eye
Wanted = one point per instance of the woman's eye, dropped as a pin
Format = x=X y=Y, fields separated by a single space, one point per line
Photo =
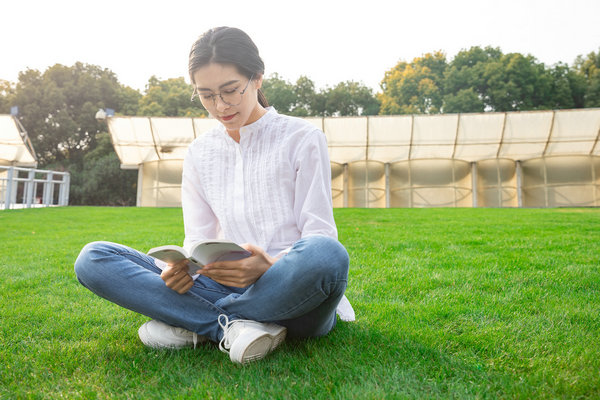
x=230 y=91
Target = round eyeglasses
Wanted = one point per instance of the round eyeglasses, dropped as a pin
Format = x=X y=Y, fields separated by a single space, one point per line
x=231 y=97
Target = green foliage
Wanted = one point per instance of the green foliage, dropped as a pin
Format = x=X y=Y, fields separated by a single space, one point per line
x=7 y=92
x=485 y=79
x=450 y=303
x=301 y=99
x=169 y=98
x=568 y=88
x=58 y=108
x=589 y=68
x=349 y=98
x=281 y=94
x=102 y=181
x=414 y=88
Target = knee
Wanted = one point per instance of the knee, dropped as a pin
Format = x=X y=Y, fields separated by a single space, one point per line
x=330 y=253
x=87 y=260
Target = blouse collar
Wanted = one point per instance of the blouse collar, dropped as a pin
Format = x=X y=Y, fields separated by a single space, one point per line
x=259 y=123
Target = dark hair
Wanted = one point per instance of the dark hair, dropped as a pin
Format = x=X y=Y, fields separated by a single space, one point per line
x=225 y=45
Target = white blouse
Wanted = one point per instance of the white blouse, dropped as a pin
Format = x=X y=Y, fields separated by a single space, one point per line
x=270 y=189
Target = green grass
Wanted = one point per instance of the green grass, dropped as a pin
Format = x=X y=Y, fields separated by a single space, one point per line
x=451 y=303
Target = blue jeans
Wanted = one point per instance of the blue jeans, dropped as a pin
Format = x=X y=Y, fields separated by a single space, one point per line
x=300 y=291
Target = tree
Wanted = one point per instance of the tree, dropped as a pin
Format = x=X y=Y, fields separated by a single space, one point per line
x=169 y=98
x=280 y=93
x=301 y=99
x=589 y=69
x=102 y=181
x=306 y=97
x=349 y=98
x=58 y=109
x=416 y=87
x=7 y=92
x=465 y=100
x=465 y=86
x=568 y=88
x=484 y=79
x=516 y=83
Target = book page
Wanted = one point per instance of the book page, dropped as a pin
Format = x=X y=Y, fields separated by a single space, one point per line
x=208 y=252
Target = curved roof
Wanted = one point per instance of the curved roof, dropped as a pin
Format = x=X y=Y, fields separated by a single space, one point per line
x=15 y=147
x=469 y=137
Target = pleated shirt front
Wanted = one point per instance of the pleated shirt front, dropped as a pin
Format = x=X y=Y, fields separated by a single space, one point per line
x=270 y=189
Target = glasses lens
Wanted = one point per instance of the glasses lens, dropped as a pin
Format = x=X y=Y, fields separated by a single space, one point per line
x=233 y=98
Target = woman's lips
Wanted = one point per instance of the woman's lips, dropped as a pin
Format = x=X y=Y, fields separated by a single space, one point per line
x=228 y=117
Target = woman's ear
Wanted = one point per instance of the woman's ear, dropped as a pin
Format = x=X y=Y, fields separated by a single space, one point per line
x=258 y=80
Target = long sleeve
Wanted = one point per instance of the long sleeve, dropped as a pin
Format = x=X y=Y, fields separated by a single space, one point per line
x=312 y=199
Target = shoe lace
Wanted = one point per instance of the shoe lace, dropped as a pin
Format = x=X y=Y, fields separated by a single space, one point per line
x=229 y=331
x=224 y=344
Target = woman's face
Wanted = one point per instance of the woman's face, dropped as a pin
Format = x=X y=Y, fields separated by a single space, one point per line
x=214 y=79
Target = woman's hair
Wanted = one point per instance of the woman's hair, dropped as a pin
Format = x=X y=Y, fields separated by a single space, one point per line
x=225 y=45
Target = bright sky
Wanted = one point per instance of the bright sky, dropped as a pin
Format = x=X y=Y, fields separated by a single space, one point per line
x=327 y=40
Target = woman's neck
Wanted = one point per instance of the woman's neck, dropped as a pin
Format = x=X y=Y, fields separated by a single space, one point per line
x=256 y=114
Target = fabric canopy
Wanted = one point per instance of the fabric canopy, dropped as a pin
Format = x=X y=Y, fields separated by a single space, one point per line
x=467 y=137
x=15 y=148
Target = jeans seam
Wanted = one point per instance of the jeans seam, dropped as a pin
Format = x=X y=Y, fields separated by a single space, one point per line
x=204 y=301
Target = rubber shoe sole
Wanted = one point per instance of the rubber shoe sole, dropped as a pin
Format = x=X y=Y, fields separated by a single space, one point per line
x=254 y=344
x=163 y=338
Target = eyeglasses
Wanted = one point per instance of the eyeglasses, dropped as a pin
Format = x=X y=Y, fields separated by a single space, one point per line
x=231 y=97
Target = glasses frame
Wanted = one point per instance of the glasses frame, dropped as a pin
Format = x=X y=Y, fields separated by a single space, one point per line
x=213 y=96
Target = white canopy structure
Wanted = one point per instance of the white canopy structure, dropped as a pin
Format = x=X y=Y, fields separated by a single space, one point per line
x=15 y=147
x=513 y=159
x=26 y=187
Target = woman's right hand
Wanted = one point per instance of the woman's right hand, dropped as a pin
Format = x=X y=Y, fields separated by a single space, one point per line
x=177 y=278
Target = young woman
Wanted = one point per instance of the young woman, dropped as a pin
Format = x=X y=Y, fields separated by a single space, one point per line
x=260 y=178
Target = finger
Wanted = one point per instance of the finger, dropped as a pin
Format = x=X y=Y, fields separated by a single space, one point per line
x=248 y=247
x=174 y=275
x=169 y=274
x=222 y=273
x=227 y=265
x=184 y=288
x=183 y=264
x=183 y=283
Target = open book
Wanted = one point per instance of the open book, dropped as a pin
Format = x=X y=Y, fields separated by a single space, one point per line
x=202 y=253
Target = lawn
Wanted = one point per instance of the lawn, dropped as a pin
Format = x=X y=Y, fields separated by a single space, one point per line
x=450 y=303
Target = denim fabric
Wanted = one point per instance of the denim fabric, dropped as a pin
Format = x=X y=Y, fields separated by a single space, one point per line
x=300 y=291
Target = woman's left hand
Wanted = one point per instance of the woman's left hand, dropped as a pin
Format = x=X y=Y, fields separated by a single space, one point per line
x=240 y=273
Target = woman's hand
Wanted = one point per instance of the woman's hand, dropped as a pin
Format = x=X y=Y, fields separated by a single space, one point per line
x=177 y=278
x=240 y=273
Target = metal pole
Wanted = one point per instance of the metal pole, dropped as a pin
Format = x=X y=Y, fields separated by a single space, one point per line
x=474 y=183
x=29 y=185
x=63 y=191
x=345 y=186
x=8 y=194
x=387 y=185
x=48 y=189
x=519 y=184
x=140 y=183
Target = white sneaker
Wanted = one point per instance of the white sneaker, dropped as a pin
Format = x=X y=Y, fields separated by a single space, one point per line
x=247 y=340
x=159 y=335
